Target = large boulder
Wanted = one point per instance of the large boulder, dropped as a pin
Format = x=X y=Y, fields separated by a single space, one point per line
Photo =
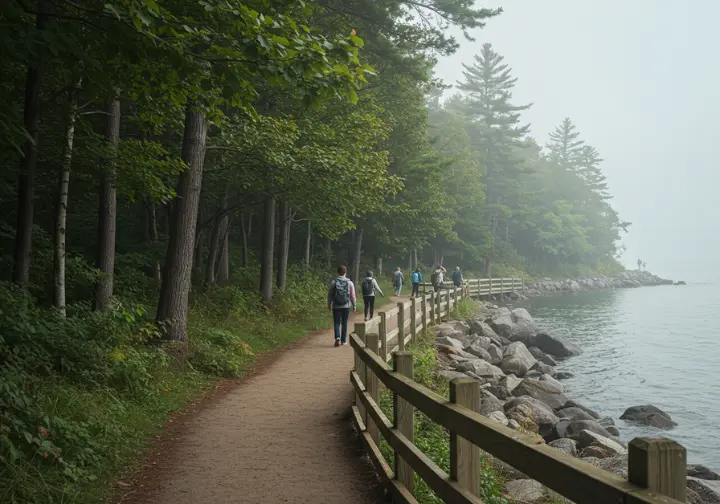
x=596 y=451
x=588 y=438
x=490 y=403
x=525 y=490
x=552 y=382
x=573 y=404
x=460 y=326
x=573 y=413
x=482 y=328
x=542 y=356
x=616 y=465
x=511 y=382
x=648 y=415
x=479 y=352
x=707 y=491
x=542 y=414
x=451 y=375
x=496 y=354
x=568 y=446
x=575 y=427
x=563 y=375
x=449 y=341
x=499 y=417
x=542 y=391
x=517 y=359
x=559 y=431
x=556 y=346
x=702 y=472
x=502 y=322
x=523 y=326
x=481 y=368
x=544 y=369
x=523 y=415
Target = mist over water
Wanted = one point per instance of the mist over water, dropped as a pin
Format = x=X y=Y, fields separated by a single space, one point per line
x=654 y=345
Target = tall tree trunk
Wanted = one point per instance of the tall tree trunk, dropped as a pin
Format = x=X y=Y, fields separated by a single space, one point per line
x=249 y=227
x=61 y=209
x=173 y=303
x=199 y=240
x=284 y=245
x=410 y=262
x=415 y=254
x=26 y=177
x=379 y=267
x=167 y=217
x=223 y=273
x=244 y=238
x=266 y=253
x=151 y=233
x=216 y=241
x=356 y=256
x=107 y=217
x=308 y=241
x=329 y=254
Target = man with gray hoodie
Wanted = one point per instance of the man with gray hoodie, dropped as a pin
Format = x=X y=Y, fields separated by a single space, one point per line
x=341 y=298
x=369 y=288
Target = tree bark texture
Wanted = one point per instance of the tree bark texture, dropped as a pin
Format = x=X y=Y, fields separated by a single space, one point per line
x=356 y=256
x=216 y=242
x=107 y=217
x=266 y=254
x=284 y=245
x=61 y=208
x=26 y=176
x=244 y=238
x=223 y=273
x=173 y=304
x=308 y=242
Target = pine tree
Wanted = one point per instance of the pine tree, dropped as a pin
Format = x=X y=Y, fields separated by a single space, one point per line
x=498 y=135
x=564 y=146
x=590 y=172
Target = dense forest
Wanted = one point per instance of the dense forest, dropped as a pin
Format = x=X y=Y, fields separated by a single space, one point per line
x=165 y=161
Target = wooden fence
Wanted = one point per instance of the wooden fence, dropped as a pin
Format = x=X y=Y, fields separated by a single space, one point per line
x=477 y=287
x=656 y=466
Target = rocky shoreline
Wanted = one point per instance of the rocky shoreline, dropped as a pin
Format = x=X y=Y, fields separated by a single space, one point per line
x=516 y=364
x=625 y=280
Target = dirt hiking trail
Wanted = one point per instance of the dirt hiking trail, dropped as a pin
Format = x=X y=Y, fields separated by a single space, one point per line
x=282 y=435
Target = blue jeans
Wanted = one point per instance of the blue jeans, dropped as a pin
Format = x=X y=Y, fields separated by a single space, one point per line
x=340 y=318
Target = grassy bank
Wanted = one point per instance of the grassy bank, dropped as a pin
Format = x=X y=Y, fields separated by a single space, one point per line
x=431 y=438
x=81 y=397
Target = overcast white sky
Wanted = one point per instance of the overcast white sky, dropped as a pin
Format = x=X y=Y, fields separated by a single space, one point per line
x=639 y=80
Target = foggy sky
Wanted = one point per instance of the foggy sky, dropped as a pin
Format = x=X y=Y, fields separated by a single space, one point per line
x=638 y=79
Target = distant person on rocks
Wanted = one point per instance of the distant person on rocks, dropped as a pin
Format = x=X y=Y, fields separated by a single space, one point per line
x=341 y=299
x=398 y=279
x=457 y=277
x=417 y=279
x=438 y=277
x=369 y=288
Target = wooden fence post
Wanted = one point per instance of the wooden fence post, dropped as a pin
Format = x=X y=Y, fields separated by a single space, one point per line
x=660 y=465
x=423 y=308
x=383 y=336
x=401 y=326
x=371 y=385
x=413 y=320
x=465 y=456
x=432 y=308
x=490 y=292
x=455 y=295
x=447 y=306
x=361 y=370
x=403 y=413
x=522 y=279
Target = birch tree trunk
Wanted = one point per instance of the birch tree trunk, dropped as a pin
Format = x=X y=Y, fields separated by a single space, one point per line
x=61 y=209
x=173 y=303
x=107 y=217
x=308 y=241
x=26 y=176
x=284 y=245
x=266 y=254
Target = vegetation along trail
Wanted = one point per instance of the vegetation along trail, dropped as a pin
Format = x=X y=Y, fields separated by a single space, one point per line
x=281 y=436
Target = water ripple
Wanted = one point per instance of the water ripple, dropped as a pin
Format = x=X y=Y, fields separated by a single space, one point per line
x=645 y=346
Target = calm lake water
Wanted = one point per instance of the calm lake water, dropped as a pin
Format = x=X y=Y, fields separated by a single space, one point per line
x=651 y=345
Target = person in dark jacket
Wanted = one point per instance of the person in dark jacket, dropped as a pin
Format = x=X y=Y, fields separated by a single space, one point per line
x=457 y=277
x=341 y=299
x=370 y=287
x=417 y=279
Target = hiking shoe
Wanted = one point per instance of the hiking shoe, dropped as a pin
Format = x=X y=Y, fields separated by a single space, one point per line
x=345 y=344
x=337 y=342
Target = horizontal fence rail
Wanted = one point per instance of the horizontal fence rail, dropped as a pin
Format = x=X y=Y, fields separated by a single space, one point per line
x=656 y=466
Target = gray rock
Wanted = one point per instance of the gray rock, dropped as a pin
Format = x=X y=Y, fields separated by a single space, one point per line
x=500 y=391
x=482 y=328
x=559 y=431
x=568 y=446
x=496 y=355
x=449 y=341
x=517 y=359
x=481 y=368
x=523 y=326
x=575 y=427
x=490 y=403
x=511 y=382
x=523 y=414
x=552 y=381
x=451 y=375
x=708 y=491
x=648 y=415
x=541 y=391
x=502 y=322
x=499 y=417
x=544 y=369
x=606 y=422
x=573 y=404
x=513 y=424
x=525 y=490
x=616 y=465
x=547 y=359
x=536 y=352
x=613 y=430
x=460 y=326
x=702 y=472
x=588 y=438
x=563 y=375
x=556 y=346
x=478 y=351
x=574 y=413
x=542 y=414
x=596 y=451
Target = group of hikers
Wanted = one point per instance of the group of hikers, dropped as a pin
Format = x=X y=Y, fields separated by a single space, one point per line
x=342 y=298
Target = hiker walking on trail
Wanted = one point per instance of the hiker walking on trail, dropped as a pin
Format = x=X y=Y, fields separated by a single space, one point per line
x=417 y=279
x=438 y=277
x=398 y=280
x=341 y=299
x=369 y=288
x=457 y=277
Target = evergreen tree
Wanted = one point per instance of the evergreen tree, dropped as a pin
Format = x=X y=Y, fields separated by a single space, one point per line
x=564 y=146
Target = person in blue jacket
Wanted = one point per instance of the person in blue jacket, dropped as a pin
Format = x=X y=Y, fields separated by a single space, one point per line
x=417 y=279
x=457 y=277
